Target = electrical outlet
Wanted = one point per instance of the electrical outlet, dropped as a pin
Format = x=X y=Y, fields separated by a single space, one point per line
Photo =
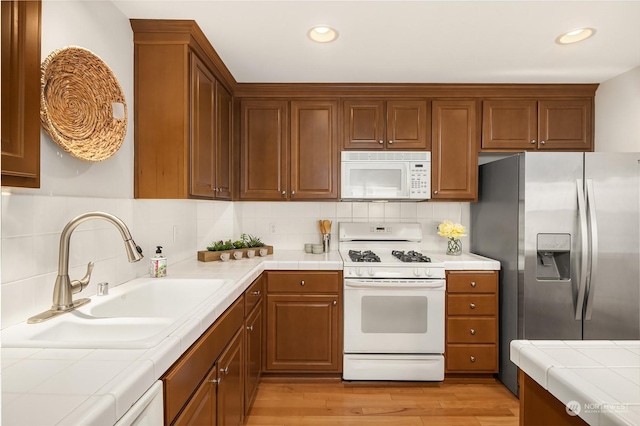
x=272 y=228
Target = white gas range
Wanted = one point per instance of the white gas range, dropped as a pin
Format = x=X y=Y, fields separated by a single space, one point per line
x=393 y=304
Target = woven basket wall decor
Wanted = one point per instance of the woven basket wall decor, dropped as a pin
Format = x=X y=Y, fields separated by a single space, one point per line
x=82 y=106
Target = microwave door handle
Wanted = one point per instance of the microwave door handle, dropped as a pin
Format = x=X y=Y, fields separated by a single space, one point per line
x=584 y=235
x=591 y=206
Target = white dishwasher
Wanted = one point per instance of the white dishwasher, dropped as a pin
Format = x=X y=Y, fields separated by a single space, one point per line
x=147 y=411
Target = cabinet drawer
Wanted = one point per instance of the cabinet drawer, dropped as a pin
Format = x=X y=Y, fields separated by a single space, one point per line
x=471 y=330
x=253 y=295
x=472 y=358
x=476 y=282
x=471 y=304
x=303 y=282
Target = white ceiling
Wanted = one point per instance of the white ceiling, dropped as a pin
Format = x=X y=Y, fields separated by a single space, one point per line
x=412 y=41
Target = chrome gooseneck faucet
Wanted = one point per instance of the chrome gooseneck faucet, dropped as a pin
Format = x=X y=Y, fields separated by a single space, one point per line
x=64 y=287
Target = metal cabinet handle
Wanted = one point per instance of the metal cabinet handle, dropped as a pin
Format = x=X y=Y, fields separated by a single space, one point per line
x=473 y=358
x=293 y=192
x=435 y=192
x=533 y=141
x=473 y=283
x=302 y=282
x=225 y=370
x=284 y=192
x=542 y=142
x=380 y=141
x=250 y=328
x=390 y=142
x=216 y=381
x=335 y=303
x=473 y=332
x=255 y=293
x=472 y=305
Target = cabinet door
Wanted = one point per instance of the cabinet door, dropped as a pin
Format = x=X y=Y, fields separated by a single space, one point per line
x=201 y=409
x=253 y=347
x=565 y=125
x=407 y=124
x=263 y=168
x=223 y=143
x=454 y=162
x=364 y=123
x=230 y=382
x=510 y=124
x=21 y=93
x=315 y=154
x=302 y=333
x=203 y=131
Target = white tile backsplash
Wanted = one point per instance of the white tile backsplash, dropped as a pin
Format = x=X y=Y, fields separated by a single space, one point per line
x=31 y=227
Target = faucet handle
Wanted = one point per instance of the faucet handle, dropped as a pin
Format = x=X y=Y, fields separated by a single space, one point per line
x=79 y=285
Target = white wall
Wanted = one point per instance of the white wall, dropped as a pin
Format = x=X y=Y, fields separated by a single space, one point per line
x=617 y=126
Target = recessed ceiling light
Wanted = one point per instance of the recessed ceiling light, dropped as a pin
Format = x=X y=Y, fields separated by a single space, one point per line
x=575 y=36
x=322 y=34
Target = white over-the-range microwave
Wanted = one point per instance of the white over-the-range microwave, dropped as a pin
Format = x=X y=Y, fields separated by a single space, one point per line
x=386 y=175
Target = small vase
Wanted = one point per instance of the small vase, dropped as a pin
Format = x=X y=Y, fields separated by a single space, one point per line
x=454 y=247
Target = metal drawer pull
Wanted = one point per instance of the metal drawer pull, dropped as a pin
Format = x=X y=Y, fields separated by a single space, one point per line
x=250 y=328
x=225 y=370
x=473 y=283
x=255 y=293
x=335 y=303
x=473 y=332
x=472 y=305
x=473 y=358
x=302 y=282
x=216 y=381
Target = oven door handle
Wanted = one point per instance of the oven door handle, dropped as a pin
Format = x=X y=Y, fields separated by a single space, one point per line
x=394 y=284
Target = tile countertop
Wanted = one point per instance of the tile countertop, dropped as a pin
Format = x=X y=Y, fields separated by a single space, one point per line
x=602 y=376
x=98 y=386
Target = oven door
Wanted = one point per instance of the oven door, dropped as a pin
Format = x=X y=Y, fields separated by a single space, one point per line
x=394 y=316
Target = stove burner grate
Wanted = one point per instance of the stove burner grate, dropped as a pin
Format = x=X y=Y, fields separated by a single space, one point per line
x=363 y=256
x=410 y=256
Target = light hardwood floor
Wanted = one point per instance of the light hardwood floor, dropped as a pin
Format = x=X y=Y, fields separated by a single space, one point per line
x=477 y=402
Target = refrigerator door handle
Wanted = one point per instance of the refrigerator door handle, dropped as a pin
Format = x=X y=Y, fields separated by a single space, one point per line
x=591 y=206
x=582 y=286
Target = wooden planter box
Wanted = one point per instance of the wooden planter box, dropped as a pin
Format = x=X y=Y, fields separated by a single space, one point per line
x=210 y=256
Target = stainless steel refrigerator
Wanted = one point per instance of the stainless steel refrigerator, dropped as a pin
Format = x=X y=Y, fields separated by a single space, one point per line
x=566 y=229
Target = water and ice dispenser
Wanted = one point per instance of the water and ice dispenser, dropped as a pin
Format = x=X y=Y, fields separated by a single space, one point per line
x=553 y=257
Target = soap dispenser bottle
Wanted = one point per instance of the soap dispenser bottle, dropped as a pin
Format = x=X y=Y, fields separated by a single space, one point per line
x=158 y=267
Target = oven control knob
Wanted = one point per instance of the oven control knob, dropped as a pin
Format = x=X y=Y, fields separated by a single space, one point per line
x=370 y=271
x=416 y=272
x=427 y=272
x=359 y=272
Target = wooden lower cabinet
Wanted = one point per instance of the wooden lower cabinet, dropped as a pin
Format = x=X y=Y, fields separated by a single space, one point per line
x=201 y=409
x=254 y=336
x=304 y=322
x=230 y=397
x=472 y=322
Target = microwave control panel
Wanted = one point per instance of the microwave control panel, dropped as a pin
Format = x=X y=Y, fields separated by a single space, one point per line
x=420 y=180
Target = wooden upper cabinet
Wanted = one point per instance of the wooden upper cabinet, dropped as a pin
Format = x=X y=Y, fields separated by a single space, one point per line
x=529 y=124
x=182 y=113
x=454 y=159
x=315 y=156
x=203 y=129
x=222 y=160
x=565 y=124
x=21 y=93
x=379 y=124
x=263 y=151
